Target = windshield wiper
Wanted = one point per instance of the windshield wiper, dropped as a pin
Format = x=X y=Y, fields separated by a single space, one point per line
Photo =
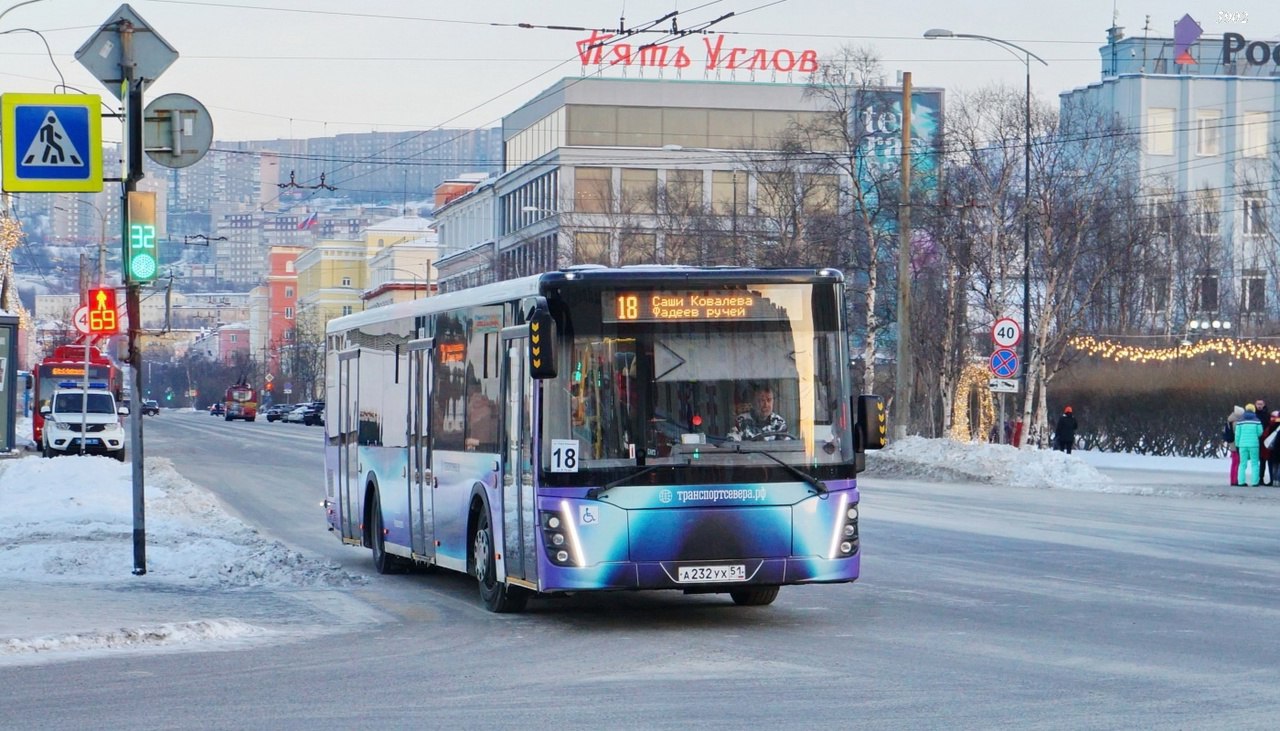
x=595 y=492
x=819 y=487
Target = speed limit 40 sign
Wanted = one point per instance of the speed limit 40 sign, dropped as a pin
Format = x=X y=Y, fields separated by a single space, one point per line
x=1006 y=332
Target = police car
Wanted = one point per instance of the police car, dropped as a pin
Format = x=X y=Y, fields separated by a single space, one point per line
x=75 y=413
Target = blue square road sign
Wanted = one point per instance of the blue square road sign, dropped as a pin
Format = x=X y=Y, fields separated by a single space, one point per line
x=52 y=143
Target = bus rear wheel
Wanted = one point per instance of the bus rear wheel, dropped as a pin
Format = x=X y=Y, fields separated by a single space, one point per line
x=758 y=596
x=497 y=596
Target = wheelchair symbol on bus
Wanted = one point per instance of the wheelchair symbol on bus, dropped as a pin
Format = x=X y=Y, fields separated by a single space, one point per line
x=587 y=514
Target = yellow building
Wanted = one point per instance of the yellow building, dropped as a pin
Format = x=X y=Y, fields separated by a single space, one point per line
x=331 y=276
x=334 y=274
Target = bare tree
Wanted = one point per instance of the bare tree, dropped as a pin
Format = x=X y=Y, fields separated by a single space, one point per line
x=976 y=229
x=304 y=361
x=796 y=218
x=1084 y=162
x=848 y=87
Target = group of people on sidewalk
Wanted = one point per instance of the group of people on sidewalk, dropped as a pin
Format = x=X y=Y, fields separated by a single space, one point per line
x=1252 y=435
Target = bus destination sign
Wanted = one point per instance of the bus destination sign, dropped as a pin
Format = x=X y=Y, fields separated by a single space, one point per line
x=685 y=306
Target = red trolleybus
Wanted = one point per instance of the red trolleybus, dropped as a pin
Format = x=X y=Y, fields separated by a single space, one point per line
x=578 y=431
x=67 y=363
x=240 y=402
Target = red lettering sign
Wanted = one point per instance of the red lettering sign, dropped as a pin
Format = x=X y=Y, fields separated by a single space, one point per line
x=597 y=50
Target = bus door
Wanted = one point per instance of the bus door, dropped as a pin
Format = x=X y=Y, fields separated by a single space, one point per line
x=421 y=481
x=519 y=513
x=348 y=428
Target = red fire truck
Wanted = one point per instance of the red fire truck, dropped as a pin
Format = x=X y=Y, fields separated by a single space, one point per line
x=67 y=363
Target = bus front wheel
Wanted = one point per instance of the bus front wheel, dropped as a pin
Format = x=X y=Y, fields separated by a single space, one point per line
x=496 y=595
x=384 y=562
x=755 y=597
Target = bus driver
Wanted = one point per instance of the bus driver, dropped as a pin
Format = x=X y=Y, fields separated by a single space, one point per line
x=761 y=423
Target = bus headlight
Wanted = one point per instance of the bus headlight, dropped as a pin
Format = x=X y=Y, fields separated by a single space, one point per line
x=844 y=541
x=560 y=537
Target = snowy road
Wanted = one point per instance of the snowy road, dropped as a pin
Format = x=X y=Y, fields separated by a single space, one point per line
x=999 y=590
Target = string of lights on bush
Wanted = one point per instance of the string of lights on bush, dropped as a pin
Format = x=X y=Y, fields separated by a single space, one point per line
x=11 y=236
x=1238 y=350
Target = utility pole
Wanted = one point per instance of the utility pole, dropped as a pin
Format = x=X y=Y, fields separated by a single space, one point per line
x=904 y=376
x=131 y=89
x=125 y=54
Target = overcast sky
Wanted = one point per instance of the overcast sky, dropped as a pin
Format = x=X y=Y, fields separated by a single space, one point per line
x=310 y=68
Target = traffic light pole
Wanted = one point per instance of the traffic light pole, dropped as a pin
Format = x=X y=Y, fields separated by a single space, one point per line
x=133 y=129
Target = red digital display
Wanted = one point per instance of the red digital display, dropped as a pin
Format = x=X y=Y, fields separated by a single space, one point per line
x=103 y=319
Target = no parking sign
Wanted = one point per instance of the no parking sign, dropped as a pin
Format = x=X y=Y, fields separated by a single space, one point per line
x=1004 y=363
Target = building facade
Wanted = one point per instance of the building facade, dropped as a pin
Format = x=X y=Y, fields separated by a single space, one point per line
x=1206 y=110
x=630 y=171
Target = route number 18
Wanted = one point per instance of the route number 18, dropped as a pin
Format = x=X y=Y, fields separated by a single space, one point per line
x=564 y=455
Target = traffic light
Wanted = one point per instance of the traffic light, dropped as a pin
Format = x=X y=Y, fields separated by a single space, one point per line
x=271 y=387
x=141 y=253
x=102 y=312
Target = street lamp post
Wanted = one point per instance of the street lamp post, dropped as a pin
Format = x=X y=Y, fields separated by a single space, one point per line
x=1026 y=196
x=410 y=272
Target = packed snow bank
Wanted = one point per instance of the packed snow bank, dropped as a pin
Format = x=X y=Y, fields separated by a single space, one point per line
x=70 y=519
x=1001 y=464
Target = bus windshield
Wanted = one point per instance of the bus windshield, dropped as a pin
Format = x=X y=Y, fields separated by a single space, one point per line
x=735 y=377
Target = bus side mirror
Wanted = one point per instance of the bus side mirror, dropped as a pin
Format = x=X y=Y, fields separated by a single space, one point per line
x=873 y=428
x=542 y=358
x=45 y=411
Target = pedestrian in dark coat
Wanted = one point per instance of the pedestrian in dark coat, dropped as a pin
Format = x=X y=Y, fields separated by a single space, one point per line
x=1064 y=432
x=1272 y=453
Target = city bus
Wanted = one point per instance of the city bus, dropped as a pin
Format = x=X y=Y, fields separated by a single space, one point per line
x=574 y=431
x=240 y=401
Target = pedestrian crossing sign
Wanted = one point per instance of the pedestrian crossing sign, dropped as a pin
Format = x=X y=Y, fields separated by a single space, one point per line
x=51 y=143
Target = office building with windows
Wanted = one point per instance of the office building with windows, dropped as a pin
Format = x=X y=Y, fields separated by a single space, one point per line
x=632 y=171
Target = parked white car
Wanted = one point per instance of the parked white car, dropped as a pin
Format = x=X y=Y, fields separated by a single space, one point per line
x=92 y=415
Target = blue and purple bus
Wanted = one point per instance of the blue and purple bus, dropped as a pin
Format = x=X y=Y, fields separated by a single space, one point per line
x=576 y=431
